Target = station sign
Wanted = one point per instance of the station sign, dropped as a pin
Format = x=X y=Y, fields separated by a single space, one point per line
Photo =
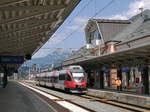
x=11 y=69
x=11 y=59
x=125 y=70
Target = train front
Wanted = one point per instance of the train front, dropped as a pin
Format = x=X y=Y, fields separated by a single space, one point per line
x=76 y=81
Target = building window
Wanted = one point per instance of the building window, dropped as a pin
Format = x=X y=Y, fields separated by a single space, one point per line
x=94 y=36
x=97 y=35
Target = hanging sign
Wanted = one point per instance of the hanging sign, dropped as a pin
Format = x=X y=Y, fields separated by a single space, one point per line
x=11 y=59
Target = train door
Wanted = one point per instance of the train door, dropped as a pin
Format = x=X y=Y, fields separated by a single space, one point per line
x=68 y=82
x=61 y=81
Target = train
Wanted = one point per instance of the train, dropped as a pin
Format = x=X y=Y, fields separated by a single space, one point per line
x=70 y=79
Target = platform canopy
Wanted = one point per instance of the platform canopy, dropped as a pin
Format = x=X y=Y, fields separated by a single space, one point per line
x=25 y=25
x=136 y=56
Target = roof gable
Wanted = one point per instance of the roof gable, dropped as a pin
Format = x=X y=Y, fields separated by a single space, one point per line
x=110 y=30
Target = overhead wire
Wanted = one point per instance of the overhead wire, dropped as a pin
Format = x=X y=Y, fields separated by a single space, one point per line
x=106 y=6
x=98 y=12
x=81 y=10
x=60 y=48
x=80 y=26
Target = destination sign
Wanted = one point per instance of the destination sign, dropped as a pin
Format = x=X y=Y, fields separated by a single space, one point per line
x=11 y=59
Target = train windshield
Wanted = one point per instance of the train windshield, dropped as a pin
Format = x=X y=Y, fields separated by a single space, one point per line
x=78 y=77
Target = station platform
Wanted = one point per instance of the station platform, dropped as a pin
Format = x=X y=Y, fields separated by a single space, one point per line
x=17 y=98
x=138 y=100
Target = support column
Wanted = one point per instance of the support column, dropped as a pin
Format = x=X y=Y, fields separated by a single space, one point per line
x=101 y=79
x=5 y=77
x=128 y=78
x=119 y=74
x=89 y=78
x=145 y=80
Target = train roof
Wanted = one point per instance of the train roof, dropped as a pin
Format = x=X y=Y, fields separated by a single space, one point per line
x=73 y=67
x=54 y=73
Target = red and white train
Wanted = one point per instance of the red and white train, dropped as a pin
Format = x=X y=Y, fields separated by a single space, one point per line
x=71 y=79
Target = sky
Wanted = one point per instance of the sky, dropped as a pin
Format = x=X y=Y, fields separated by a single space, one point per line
x=70 y=34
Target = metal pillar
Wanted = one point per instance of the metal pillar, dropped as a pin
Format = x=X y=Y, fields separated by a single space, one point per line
x=5 y=77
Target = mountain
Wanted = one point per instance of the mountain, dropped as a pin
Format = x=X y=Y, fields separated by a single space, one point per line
x=54 y=58
x=24 y=68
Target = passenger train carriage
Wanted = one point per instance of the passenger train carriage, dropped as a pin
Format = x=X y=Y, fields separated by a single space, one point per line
x=71 y=79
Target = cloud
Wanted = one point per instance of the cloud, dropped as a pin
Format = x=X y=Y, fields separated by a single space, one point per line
x=57 y=38
x=75 y=26
x=41 y=53
x=133 y=9
x=78 y=24
x=81 y=19
x=72 y=27
x=48 y=47
x=118 y=16
x=79 y=28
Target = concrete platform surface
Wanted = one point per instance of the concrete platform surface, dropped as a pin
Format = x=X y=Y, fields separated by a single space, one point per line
x=17 y=98
x=142 y=101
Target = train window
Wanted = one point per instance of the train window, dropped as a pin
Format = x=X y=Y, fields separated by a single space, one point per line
x=78 y=77
x=68 y=78
x=77 y=74
x=49 y=79
x=62 y=77
x=55 y=79
x=76 y=68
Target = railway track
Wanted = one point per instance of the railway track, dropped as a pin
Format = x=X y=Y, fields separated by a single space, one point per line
x=118 y=104
x=62 y=99
x=58 y=99
x=127 y=107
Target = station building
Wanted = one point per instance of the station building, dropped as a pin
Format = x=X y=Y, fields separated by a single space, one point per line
x=116 y=48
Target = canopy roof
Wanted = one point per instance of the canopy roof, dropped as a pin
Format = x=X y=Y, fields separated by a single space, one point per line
x=25 y=25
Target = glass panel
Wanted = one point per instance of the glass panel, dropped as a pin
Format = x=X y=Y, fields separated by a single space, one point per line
x=94 y=35
x=78 y=77
x=62 y=77
x=77 y=74
x=68 y=78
